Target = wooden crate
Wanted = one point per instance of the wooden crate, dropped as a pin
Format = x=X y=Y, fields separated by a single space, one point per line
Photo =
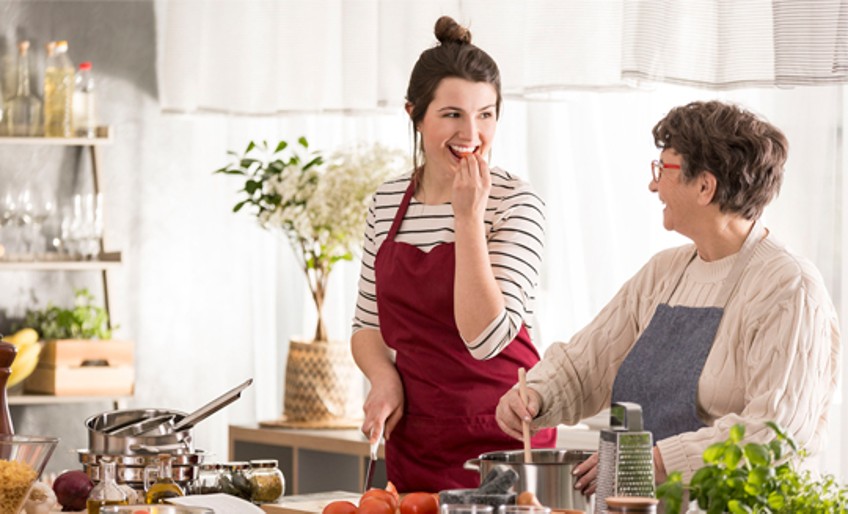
x=70 y=367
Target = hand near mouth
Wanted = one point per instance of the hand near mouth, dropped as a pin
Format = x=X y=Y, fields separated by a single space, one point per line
x=471 y=187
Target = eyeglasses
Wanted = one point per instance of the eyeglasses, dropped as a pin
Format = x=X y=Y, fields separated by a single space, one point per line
x=657 y=168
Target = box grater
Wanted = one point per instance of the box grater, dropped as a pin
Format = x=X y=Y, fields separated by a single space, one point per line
x=625 y=457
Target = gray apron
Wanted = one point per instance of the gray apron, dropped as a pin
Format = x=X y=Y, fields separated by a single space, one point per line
x=662 y=370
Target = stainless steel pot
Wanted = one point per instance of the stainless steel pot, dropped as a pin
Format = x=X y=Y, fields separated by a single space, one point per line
x=548 y=476
x=104 y=439
x=130 y=468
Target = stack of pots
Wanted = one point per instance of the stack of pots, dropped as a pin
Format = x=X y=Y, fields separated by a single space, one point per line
x=133 y=453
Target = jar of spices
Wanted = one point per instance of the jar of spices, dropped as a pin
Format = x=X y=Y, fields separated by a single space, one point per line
x=234 y=479
x=267 y=483
x=208 y=479
x=631 y=505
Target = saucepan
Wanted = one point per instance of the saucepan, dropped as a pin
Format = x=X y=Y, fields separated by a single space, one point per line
x=548 y=475
x=127 y=432
x=105 y=437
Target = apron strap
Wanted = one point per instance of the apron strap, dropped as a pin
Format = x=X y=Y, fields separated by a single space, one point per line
x=731 y=281
x=401 y=212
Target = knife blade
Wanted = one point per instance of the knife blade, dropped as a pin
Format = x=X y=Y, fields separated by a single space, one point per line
x=372 y=463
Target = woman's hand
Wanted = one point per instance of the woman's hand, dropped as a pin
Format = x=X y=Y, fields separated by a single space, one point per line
x=383 y=406
x=471 y=187
x=511 y=411
x=586 y=475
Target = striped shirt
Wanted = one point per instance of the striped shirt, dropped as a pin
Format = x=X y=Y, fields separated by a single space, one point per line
x=515 y=222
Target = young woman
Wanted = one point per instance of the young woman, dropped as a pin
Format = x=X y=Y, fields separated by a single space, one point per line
x=450 y=268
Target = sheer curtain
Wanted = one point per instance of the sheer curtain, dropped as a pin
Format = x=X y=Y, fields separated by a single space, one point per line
x=584 y=83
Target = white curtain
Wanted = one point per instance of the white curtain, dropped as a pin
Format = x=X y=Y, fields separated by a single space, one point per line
x=336 y=71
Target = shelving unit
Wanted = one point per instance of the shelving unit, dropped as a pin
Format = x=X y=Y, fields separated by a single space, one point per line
x=103 y=263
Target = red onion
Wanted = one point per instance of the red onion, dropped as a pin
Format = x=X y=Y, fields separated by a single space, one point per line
x=72 y=488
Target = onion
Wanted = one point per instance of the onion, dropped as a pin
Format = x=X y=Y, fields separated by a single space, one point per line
x=72 y=488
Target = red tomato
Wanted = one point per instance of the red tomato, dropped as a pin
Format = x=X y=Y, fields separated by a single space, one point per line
x=373 y=505
x=383 y=495
x=339 y=507
x=419 y=503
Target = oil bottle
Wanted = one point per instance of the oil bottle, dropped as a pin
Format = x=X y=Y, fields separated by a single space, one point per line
x=106 y=492
x=59 y=93
x=164 y=486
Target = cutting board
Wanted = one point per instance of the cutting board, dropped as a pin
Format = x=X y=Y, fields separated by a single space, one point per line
x=312 y=503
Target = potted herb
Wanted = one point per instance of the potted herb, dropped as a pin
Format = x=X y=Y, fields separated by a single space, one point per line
x=79 y=355
x=755 y=478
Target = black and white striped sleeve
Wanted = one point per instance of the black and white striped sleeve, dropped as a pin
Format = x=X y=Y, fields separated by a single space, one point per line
x=366 y=301
x=516 y=244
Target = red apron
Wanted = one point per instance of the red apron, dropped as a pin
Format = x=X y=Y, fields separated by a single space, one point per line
x=450 y=397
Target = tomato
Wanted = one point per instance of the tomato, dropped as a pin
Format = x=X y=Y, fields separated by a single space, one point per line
x=374 y=505
x=339 y=507
x=419 y=503
x=383 y=495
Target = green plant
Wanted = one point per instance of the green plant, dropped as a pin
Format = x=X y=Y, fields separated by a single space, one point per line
x=83 y=321
x=320 y=205
x=755 y=478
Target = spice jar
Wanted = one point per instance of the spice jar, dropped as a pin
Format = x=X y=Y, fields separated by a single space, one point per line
x=267 y=483
x=631 y=505
x=234 y=479
x=208 y=479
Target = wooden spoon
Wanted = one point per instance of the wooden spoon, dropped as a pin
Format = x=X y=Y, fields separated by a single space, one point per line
x=525 y=425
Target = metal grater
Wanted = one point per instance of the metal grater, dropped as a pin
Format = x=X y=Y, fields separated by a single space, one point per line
x=625 y=457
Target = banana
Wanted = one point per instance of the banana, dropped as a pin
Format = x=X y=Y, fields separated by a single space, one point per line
x=23 y=336
x=25 y=362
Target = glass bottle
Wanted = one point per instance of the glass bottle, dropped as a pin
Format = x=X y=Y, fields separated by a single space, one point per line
x=267 y=484
x=59 y=93
x=107 y=491
x=164 y=486
x=23 y=111
x=85 y=117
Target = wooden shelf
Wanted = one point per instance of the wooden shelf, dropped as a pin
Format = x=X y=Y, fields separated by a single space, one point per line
x=104 y=137
x=106 y=261
x=49 y=399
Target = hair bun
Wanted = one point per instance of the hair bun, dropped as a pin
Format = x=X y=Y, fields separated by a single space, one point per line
x=449 y=31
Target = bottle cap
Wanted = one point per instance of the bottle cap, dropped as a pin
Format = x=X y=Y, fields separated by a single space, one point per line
x=86 y=65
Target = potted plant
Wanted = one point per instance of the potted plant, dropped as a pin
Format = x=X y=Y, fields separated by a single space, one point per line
x=320 y=206
x=79 y=356
x=755 y=478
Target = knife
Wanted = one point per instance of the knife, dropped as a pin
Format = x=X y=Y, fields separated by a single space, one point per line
x=369 y=474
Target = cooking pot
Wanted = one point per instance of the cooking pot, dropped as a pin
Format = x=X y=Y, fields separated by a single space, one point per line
x=548 y=476
x=104 y=434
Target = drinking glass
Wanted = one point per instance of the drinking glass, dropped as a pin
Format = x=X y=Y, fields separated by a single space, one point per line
x=10 y=233
x=467 y=508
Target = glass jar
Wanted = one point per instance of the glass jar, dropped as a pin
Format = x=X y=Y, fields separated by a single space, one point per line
x=267 y=483
x=208 y=479
x=234 y=479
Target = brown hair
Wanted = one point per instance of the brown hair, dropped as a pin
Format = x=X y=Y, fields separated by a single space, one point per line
x=745 y=153
x=454 y=56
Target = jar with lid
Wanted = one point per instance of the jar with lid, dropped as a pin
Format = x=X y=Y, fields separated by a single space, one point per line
x=631 y=505
x=208 y=479
x=267 y=483
x=234 y=479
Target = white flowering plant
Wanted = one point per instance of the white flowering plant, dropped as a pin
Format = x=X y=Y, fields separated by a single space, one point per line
x=319 y=204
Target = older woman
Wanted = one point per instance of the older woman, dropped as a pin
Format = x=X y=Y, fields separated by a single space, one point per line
x=733 y=328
